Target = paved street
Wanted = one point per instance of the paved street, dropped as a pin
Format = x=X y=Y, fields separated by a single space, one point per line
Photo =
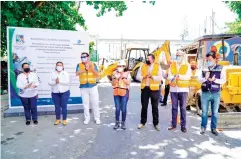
x=79 y=141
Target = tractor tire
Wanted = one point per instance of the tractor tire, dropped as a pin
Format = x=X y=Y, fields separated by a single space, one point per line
x=198 y=103
x=109 y=78
x=135 y=74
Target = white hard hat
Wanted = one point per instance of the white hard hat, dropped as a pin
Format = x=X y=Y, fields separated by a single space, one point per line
x=121 y=63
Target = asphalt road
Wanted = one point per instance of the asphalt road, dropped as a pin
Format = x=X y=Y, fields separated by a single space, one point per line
x=93 y=141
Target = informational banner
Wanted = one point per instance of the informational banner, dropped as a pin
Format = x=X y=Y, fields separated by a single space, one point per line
x=230 y=46
x=93 y=56
x=41 y=49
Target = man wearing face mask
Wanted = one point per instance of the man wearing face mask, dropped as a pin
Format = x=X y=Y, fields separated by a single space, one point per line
x=194 y=84
x=179 y=75
x=211 y=78
x=27 y=82
x=88 y=75
x=151 y=75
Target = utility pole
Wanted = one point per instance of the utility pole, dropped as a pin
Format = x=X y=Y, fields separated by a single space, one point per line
x=213 y=20
x=121 y=46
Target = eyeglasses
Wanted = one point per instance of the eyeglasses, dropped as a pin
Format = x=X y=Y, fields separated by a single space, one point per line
x=210 y=53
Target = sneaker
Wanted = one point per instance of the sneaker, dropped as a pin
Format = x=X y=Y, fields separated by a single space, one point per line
x=98 y=121
x=172 y=128
x=123 y=125
x=214 y=132
x=117 y=125
x=57 y=122
x=64 y=122
x=35 y=122
x=157 y=127
x=140 y=126
x=28 y=122
x=86 y=122
x=183 y=129
x=202 y=130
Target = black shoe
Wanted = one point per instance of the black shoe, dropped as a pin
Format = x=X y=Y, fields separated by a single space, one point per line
x=214 y=132
x=35 y=122
x=164 y=104
x=183 y=129
x=123 y=125
x=28 y=122
x=117 y=125
x=188 y=107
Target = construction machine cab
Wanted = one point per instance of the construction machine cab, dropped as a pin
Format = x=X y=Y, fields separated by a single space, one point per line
x=134 y=56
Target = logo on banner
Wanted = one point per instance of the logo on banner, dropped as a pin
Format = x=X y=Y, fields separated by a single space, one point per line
x=19 y=39
x=79 y=43
x=226 y=50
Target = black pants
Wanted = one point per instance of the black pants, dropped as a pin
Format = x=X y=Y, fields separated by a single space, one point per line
x=146 y=93
x=167 y=90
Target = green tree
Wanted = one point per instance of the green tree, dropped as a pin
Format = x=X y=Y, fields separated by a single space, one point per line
x=235 y=6
x=51 y=14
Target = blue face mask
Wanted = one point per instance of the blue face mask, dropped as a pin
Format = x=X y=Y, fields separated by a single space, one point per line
x=210 y=63
x=179 y=59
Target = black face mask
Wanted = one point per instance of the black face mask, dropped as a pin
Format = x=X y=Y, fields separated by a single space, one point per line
x=148 y=62
x=193 y=68
x=26 y=70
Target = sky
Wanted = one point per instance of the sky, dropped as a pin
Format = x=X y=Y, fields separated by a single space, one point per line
x=164 y=20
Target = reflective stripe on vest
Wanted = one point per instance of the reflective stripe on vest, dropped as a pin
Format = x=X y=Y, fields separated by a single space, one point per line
x=182 y=71
x=86 y=77
x=154 y=85
x=194 y=83
x=119 y=86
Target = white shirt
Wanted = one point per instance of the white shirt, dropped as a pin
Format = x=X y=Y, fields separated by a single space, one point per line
x=187 y=76
x=23 y=80
x=63 y=85
x=220 y=81
x=155 y=78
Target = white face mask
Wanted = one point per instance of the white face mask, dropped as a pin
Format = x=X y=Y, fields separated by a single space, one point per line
x=84 y=59
x=120 y=69
x=59 y=68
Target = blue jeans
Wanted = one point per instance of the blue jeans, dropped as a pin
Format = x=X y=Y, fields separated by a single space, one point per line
x=30 y=108
x=60 y=101
x=214 y=98
x=120 y=105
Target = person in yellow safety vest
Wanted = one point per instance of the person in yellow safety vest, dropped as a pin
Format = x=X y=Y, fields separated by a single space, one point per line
x=194 y=84
x=179 y=76
x=151 y=76
x=121 y=85
x=88 y=74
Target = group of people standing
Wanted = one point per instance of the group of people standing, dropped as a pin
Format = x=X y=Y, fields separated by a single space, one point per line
x=178 y=79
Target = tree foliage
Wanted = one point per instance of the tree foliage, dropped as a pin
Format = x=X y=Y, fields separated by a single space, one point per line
x=235 y=6
x=51 y=14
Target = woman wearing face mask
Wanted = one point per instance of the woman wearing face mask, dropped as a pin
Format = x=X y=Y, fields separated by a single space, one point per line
x=27 y=82
x=59 y=82
x=121 y=85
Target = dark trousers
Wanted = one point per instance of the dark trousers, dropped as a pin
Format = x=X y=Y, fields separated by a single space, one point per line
x=30 y=108
x=179 y=98
x=167 y=89
x=146 y=94
x=121 y=105
x=60 y=101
